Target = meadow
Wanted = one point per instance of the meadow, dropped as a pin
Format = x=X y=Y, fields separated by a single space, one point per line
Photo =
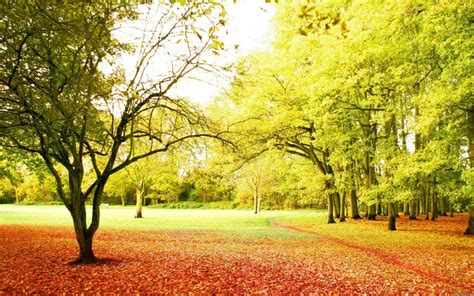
x=232 y=251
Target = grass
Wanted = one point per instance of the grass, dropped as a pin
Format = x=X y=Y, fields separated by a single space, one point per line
x=243 y=222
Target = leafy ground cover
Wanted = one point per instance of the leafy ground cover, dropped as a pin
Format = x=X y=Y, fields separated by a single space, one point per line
x=212 y=251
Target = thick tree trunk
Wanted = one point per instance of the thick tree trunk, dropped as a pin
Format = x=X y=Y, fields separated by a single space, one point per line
x=354 y=207
x=330 y=209
x=86 y=254
x=391 y=217
x=139 y=204
x=372 y=209
x=337 y=204
x=470 y=222
x=84 y=236
x=342 y=214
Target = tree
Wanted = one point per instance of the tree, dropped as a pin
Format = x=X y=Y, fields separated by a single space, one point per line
x=258 y=178
x=57 y=102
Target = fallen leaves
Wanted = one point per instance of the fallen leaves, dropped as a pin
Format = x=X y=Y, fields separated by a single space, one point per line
x=33 y=260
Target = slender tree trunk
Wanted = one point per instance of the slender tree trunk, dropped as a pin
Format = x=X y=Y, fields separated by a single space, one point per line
x=342 y=216
x=442 y=206
x=470 y=223
x=412 y=205
x=427 y=203
x=391 y=217
x=17 y=196
x=255 y=202
x=417 y=208
x=122 y=198
x=406 y=208
x=422 y=200
x=434 y=205
x=471 y=134
x=139 y=205
x=258 y=204
x=379 y=208
x=354 y=207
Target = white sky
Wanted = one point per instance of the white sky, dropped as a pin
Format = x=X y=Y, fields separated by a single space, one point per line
x=249 y=27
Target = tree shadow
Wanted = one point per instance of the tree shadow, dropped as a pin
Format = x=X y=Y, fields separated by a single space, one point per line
x=99 y=261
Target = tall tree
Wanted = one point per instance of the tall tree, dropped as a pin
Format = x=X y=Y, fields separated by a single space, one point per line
x=57 y=102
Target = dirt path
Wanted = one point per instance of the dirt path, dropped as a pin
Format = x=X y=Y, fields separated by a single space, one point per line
x=382 y=255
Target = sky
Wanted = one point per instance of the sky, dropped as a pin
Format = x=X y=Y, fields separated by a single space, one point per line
x=249 y=27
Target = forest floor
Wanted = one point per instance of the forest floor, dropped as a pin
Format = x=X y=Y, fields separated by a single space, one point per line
x=233 y=252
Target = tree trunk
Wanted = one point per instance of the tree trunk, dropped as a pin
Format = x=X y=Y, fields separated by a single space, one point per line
x=342 y=214
x=470 y=223
x=83 y=235
x=396 y=209
x=442 y=206
x=255 y=202
x=406 y=208
x=372 y=209
x=427 y=203
x=354 y=207
x=422 y=200
x=17 y=197
x=122 y=198
x=412 y=205
x=330 y=209
x=391 y=217
x=337 y=204
x=434 y=205
x=258 y=204
x=84 y=239
x=471 y=134
x=139 y=205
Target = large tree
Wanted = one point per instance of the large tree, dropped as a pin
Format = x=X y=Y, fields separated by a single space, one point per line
x=57 y=102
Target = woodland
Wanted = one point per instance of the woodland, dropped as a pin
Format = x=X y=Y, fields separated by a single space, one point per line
x=361 y=108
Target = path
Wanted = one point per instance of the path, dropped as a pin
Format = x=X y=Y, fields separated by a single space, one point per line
x=382 y=255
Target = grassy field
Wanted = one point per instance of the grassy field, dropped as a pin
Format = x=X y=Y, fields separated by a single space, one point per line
x=242 y=222
x=233 y=251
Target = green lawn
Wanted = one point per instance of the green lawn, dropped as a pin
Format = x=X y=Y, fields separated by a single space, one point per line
x=243 y=222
